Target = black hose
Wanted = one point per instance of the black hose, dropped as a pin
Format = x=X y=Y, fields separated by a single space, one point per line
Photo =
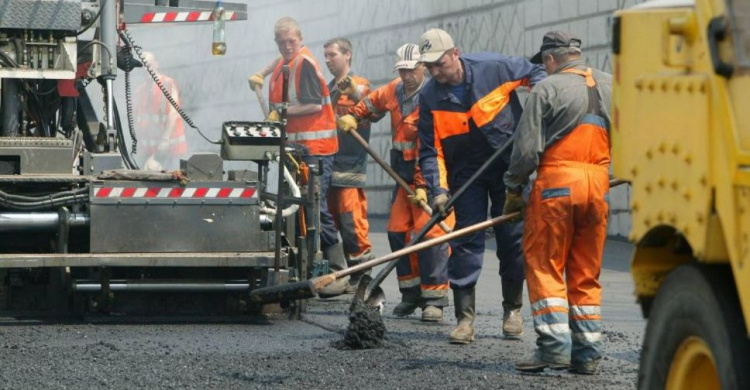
x=128 y=39
x=126 y=157
x=59 y=199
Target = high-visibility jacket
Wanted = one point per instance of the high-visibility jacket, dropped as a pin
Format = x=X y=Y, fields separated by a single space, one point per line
x=153 y=111
x=456 y=135
x=350 y=162
x=404 y=119
x=317 y=131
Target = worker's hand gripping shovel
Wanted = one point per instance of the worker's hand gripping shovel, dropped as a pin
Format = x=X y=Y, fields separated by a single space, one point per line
x=309 y=288
x=400 y=181
x=380 y=277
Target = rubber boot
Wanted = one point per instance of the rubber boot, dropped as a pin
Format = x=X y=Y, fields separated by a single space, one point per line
x=512 y=301
x=432 y=314
x=536 y=363
x=432 y=308
x=410 y=302
x=463 y=300
x=351 y=261
x=336 y=262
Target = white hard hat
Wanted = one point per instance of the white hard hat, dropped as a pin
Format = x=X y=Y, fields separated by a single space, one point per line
x=408 y=56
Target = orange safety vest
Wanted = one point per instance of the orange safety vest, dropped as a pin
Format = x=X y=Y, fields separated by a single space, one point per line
x=316 y=132
x=153 y=116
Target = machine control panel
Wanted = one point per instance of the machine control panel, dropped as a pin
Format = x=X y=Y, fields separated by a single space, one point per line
x=249 y=140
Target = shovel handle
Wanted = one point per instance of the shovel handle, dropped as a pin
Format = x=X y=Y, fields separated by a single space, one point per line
x=263 y=106
x=424 y=244
x=400 y=181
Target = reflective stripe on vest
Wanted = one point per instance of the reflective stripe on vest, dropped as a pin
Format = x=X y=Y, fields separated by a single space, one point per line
x=404 y=146
x=311 y=135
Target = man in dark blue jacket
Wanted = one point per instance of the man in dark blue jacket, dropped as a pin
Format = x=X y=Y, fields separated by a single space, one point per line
x=468 y=110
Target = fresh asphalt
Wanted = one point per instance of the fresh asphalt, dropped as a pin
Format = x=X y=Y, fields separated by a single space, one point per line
x=277 y=353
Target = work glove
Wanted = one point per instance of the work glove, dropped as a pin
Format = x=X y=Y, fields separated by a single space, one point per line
x=152 y=165
x=273 y=116
x=256 y=80
x=347 y=123
x=347 y=86
x=438 y=204
x=420 y=194
x=514 y=203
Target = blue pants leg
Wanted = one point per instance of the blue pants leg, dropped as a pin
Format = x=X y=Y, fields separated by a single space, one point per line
x=465 y=263
x=328 y=232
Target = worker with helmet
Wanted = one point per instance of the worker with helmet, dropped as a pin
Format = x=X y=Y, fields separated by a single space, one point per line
x=422 y=277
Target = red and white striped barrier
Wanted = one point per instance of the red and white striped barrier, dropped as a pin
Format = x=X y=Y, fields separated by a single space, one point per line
x=191 y=16
x=175 y=192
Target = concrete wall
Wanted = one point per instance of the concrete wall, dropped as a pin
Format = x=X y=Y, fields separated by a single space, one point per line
x=215 y=88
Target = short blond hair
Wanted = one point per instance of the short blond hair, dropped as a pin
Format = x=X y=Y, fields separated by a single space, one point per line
x=286 y=24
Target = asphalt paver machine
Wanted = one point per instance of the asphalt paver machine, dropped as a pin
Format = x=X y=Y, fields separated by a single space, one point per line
x=82 y=229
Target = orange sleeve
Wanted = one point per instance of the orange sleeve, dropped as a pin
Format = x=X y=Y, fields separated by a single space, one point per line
x=419 y=180
x=375 y=103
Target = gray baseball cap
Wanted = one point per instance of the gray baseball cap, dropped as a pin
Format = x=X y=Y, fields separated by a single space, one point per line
x=553 y=40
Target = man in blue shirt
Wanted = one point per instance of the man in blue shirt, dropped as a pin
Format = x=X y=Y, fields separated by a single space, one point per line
x=467 y=111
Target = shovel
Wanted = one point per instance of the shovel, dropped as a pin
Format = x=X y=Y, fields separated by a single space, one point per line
x=374 y=284
x=380 y=277
x=309 y=288
x=262 y=101
x=400 y=181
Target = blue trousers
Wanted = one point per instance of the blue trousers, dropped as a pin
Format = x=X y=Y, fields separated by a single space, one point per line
x=465 y=263
x=328 y=233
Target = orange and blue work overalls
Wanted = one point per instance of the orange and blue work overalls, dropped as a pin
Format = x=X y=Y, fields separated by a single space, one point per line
x=347 y=200
x=422 y=276
x=564 y=233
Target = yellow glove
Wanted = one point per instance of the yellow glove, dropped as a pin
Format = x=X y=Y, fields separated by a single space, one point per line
x=514 y=203
x=273 y=116
x=420 y=195
x=256 y=80
x=347 y=86
x=347 y=123
x=439 y=203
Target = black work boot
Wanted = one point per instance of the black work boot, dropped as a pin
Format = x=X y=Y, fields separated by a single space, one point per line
x=336 y=262
x=463 y=300
x=512 y=301
x=410 y=302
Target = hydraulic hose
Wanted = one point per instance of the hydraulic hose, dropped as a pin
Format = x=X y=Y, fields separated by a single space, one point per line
x=126 y=157
x=295 y=192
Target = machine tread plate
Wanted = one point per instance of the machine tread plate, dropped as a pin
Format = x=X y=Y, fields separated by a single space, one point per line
x=167 y=259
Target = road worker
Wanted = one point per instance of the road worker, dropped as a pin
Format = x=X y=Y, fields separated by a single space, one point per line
x=311 y=124
x=422 y=277
x=160 y=130
x=467 y=111
x=564 y=135
x=346 y=197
